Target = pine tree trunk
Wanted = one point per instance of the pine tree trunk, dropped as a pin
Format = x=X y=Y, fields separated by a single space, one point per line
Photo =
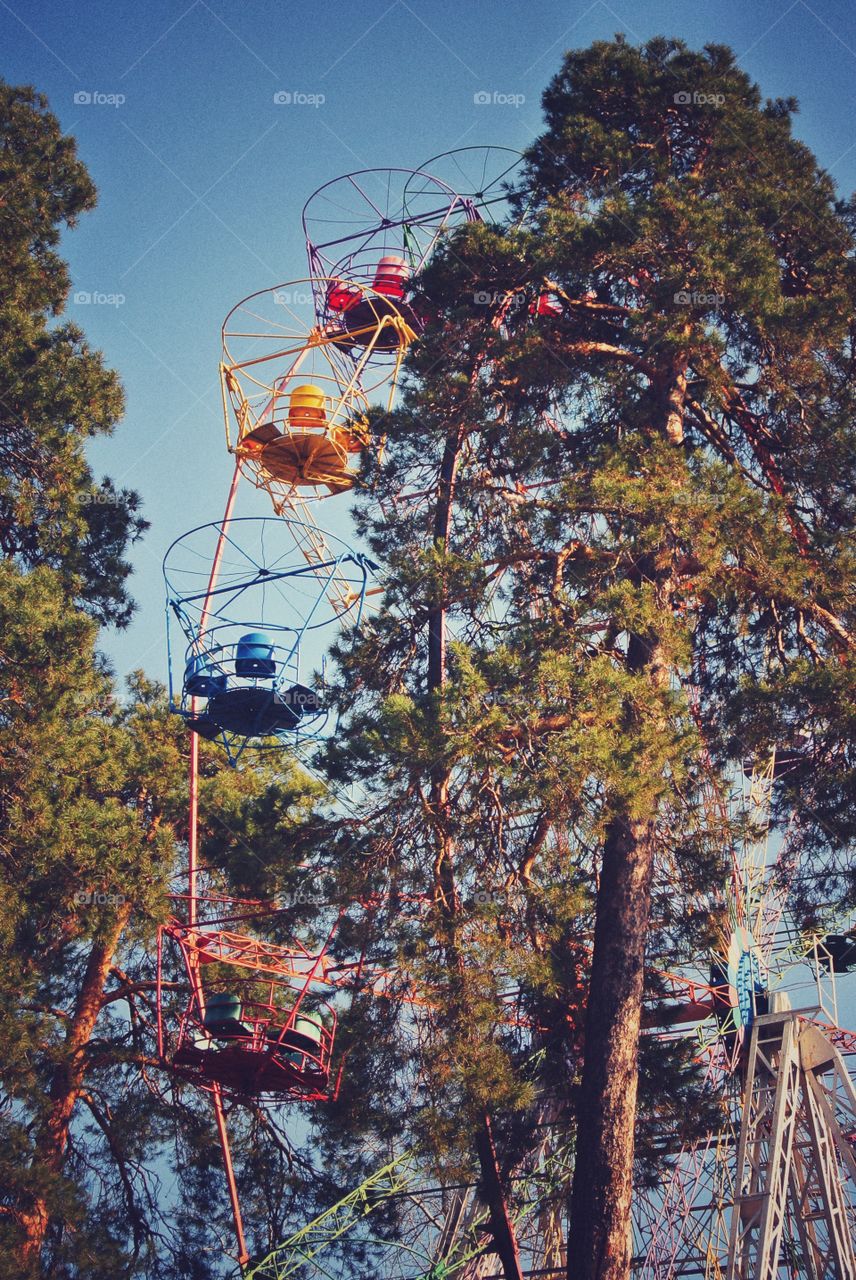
x=600 y=1220
x=67 y=1081
x=599 y=1240
x=598 y=1237
x=501 y=1226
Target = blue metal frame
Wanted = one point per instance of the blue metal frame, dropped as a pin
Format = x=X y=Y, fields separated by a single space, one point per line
x=268 y=709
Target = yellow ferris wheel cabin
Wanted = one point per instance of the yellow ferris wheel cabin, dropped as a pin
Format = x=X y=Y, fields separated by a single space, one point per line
x=305 y=447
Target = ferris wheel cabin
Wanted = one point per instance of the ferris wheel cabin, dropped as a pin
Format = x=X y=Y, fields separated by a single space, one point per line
x=312 y=449
x=252 y=1047
x=373 y=312
x=240 y=684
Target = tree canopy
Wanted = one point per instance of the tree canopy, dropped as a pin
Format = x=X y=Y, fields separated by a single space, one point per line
x=93 y=801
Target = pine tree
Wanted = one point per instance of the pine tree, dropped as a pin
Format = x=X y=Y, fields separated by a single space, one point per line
x=93 y=832
x=617 y=522
x=55 y=392
x=709 y=293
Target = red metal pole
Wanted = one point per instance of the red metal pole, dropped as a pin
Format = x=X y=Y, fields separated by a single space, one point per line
x=220 y=1117
x=193 y=824
x=192 y=868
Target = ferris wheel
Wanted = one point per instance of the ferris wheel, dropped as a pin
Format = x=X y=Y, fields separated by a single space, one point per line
x=771 y=1190
x=252 y=602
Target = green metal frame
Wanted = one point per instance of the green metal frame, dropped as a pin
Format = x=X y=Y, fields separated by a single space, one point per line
x=397 y=1178
x=302 y=1247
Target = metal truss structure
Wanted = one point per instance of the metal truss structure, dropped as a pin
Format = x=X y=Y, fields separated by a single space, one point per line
x=795 y=1202
x=338 y=1221
x=441 y=1232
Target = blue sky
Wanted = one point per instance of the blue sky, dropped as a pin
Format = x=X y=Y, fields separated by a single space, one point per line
x=202 y=175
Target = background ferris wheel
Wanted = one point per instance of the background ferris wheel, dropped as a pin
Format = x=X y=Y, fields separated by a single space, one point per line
x=771 y=983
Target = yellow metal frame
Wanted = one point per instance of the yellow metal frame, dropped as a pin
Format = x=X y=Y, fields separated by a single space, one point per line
x=293 y=464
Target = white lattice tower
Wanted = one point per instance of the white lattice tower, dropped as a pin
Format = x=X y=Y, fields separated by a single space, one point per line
x=795 y=1207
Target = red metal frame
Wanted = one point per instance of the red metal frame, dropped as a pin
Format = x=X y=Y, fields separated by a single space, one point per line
x=261 y=1063
x=251 y=1063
